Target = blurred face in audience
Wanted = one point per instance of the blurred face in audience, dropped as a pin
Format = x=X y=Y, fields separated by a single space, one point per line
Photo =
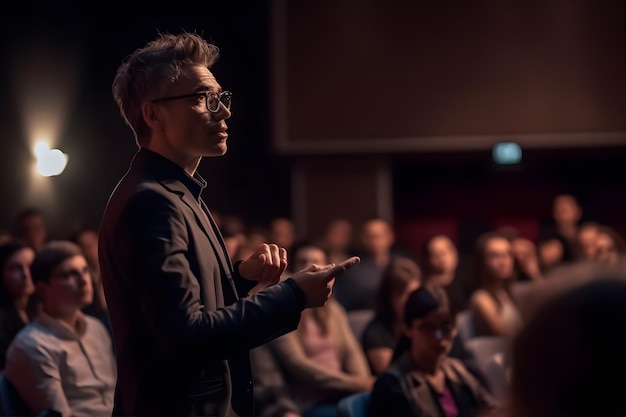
x=69 y=287
x=566 y=210
x=33 y=230
x=339 y=234
x=88 y=242
x=431 y=337
x=307 y=256
x=606 y=250
x=377 y=237
x=16 y=273
x=282 y=232
x=443 y=256
x=587 y=241
x=498 y=258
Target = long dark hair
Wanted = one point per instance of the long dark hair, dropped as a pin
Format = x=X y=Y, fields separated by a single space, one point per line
x=422 y=301
x=396 y=278
x=6 y=251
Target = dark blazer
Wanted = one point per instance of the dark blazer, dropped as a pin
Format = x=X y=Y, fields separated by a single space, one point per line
x=182 y=324
x=402 y=391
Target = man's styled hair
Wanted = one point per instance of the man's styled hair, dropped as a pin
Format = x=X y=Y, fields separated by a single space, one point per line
x=147 y=72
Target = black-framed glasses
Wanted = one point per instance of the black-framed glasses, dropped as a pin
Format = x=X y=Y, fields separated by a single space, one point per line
x=211 y=99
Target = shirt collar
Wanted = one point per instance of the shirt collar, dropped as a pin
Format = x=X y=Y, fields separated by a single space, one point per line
x=167 y=169
x=61 y=329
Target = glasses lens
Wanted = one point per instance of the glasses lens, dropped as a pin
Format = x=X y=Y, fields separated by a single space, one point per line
x=213 y=100
x=226 y=98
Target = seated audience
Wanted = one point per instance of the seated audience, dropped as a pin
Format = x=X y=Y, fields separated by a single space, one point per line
x=441 y=265
x=493 y=309
x=557 y=240
x=357 y=288
x=610 y=247
x=381 y=335
x=31 y=227
x=16 y=290
x=422 y=379
x=272 y=394
x=586 y=240
x=87 y=240
x=63 y=360
x=337 y=239
x=322 y=359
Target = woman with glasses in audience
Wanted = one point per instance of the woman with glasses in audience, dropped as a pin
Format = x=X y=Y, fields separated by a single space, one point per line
x=423 y=379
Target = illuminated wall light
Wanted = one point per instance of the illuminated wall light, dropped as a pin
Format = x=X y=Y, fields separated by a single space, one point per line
x=507 y=153
x=50 y=162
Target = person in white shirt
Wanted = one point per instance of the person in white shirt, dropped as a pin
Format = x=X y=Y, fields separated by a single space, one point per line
x=64 y=359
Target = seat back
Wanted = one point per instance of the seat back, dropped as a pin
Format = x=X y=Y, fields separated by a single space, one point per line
x=354 y=405
x=492 y=356
x=465 y=325
x=358 y=320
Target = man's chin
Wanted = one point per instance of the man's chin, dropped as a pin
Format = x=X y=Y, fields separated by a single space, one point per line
x=218 y=150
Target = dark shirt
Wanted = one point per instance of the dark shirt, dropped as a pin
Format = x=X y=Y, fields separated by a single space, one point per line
x=10 y=324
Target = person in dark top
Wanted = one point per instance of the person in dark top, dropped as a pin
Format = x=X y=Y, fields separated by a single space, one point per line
x=17 y=306
x=382 y=333
x=423 y=380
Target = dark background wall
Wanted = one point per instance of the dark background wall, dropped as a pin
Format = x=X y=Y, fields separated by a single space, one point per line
x=59 y=65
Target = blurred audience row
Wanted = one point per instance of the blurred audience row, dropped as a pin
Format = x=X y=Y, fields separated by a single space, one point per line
x=407 y=332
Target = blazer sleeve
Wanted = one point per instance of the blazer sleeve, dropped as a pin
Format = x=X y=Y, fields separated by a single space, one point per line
x=168 y=292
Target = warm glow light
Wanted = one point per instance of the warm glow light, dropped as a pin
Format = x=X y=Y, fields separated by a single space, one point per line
x=51 y=162
x=41 y=148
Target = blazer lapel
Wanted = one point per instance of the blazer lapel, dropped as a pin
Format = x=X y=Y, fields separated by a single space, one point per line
x=422 y=395
x=208 y=226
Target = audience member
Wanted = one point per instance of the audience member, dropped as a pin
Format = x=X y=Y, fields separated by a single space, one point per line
x=87 y=240
x=16 y=290
x=5 y=237
x=273 y=396
x=337 y=239
x=322 y=358
x=401 y=277
x=493 y=309
x=63 y=360
x=233 y=230
x=31 y=227
x=568 y=360
x=423 y=380
x=586 y=240
x=557 y=241
x=441 y=264
x=357 y=289
x=282 y=232
x=610 y=246
x=525 y=254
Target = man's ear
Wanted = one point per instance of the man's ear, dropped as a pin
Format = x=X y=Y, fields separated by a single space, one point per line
x=151 y=115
